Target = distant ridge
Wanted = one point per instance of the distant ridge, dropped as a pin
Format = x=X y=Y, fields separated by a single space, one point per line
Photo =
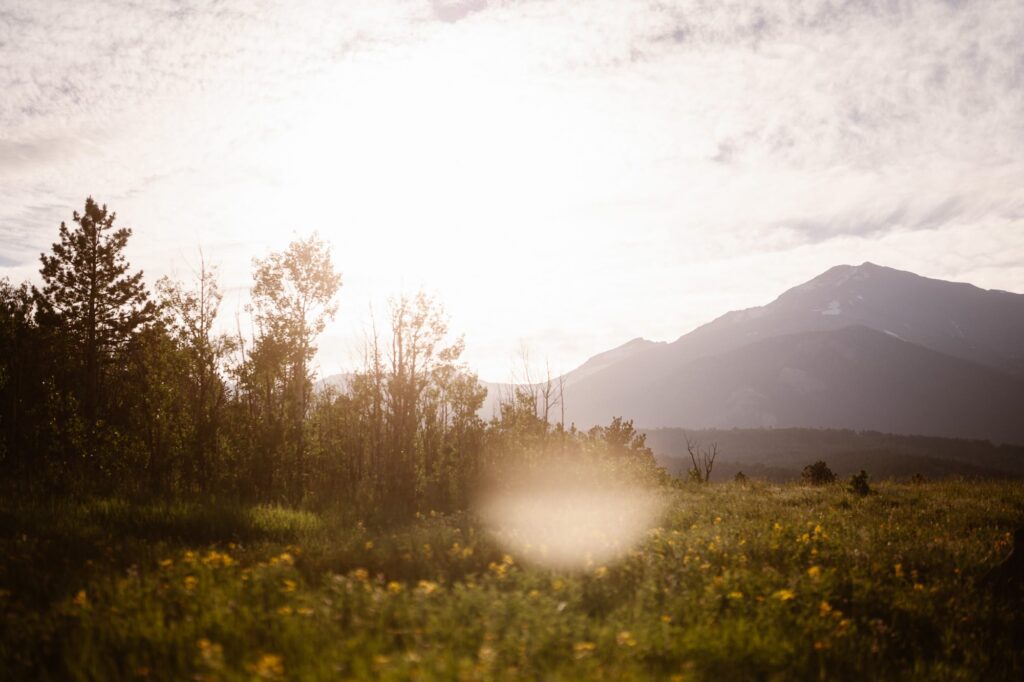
x=861 y=347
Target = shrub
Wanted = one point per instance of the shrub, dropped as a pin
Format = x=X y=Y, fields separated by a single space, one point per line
x=817 y=474
x=740 y=477
x=918 y=479
x=859 y=484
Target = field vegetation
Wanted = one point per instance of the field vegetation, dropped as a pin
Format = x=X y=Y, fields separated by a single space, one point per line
x=751 y=581
x=177 y=503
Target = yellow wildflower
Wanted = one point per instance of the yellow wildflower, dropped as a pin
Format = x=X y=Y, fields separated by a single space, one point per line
x=284 y=610
x=304 y=611
x=369 y=544
x=166 y=563
x=268 y=666
x=361 y=574
x=814 y=571
x=666 y=619
x=211 y=653
x=824 y=608
x=625 y=638
x=898 y=570
x=583 y=649
x=784 y=594
x=394 y=588
x=600 y=572
x=81 y=599
x=288 y=586
x=735 y=595
x=426 y=587
x=190 y=582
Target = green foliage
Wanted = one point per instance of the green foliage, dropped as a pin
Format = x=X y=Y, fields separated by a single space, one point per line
x=92 y=296
x=755 y=582
x=817 y=474
x=859 y=484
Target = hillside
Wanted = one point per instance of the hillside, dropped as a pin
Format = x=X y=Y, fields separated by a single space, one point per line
x=857 y=347
x=780 y=454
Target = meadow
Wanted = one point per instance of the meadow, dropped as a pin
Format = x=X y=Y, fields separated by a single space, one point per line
x=734 y=581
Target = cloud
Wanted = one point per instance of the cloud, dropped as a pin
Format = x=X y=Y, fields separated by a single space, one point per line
x=454 y=10
x=653 y=144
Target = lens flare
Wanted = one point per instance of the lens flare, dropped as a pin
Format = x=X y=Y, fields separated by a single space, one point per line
x=551 y=518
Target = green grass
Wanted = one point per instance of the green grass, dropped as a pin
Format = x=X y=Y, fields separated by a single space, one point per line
x=757 y=582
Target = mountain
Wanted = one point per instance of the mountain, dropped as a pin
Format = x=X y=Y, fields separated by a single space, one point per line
x=861 y=347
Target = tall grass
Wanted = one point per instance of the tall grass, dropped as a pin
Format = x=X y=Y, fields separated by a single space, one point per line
x=734 y=582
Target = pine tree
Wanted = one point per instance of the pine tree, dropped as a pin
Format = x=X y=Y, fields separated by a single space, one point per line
x=95 y=298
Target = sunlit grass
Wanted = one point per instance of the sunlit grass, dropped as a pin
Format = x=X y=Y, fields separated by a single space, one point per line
x=733 y=583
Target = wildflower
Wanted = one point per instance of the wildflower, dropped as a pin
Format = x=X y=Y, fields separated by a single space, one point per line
x=666 y=619
x=394 y=588
x=190 y=582
x=288 y=586
x=898 y=570
x=814 y=572
x=777 y=527
x=211 y=653
x=214 y=558
x=166 y=563
x=600 y=572
x=625 y=638
x=285 y=559
x=361 y=574
x=918 y=587
x=824 y=608
x=369 y=544
x=818 y=646
x=426 y=587
x=735 y=595
x=583 y=649
x=784 y=594
x=487 y=654
x=268 y=666
x=304 y=611
x=534 y=594
x=81 y=599
x=285 y=610
x=718 y=520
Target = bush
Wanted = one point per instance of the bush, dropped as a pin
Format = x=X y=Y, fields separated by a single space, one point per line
x=817 y=474
x=918 y=479
x=740 y=477
x=859 y=484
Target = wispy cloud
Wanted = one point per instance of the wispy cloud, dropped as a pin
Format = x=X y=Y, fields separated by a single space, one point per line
x=625 y=153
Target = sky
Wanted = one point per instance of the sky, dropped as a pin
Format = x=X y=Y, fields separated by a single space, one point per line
x=562 y=176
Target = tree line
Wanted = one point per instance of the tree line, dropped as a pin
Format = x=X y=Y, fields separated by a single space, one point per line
x=109 y=387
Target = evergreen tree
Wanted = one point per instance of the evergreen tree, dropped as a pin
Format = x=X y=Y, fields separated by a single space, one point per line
x=94 y=297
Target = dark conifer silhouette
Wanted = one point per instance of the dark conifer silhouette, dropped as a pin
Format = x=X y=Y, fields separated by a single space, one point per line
x=94 y=296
